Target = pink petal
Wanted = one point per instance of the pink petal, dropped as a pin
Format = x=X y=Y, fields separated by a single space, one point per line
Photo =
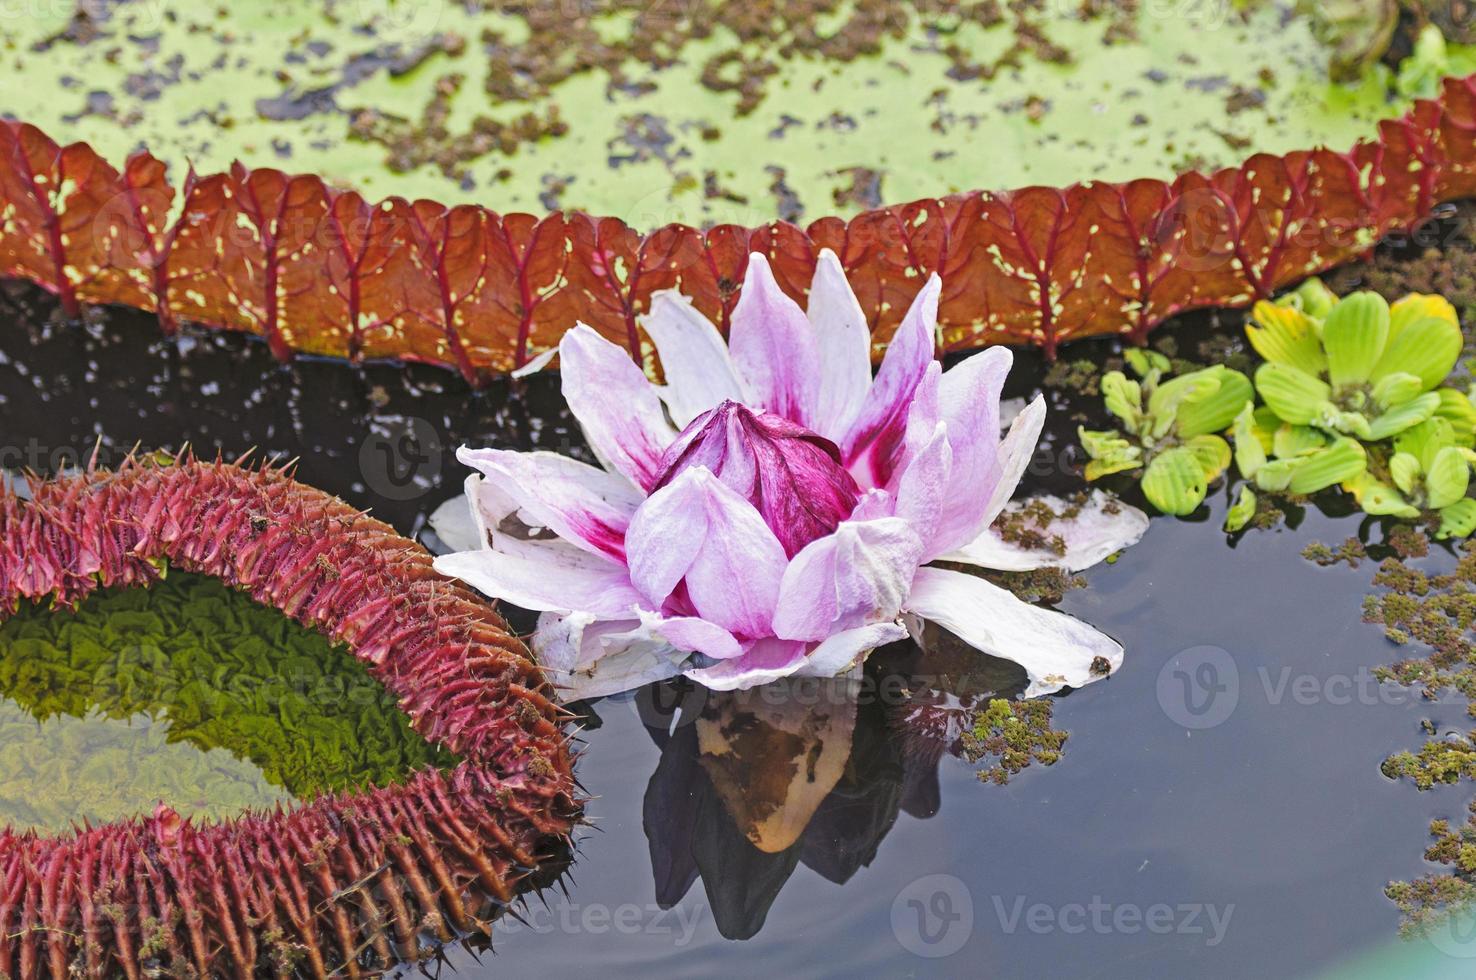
x=875 y=438
x=857 y=576
x=839 y=653
x=774 y=351
x=546 y=576
x=615 y=404
x=844 y=341
x=767 y=660
x=694 y=358
x=968 y=401
x=694 y=635
x=1101 y=526
x=697 y=532
x=923 y=490
x=582 y=504
x=1056 y=650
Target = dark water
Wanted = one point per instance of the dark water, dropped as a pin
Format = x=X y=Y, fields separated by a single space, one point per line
x=1216 y=812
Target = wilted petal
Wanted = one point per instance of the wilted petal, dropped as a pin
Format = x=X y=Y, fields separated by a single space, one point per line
x=968 y=402
x=694 y=358
x=773 y=348
x=857 y=576
x=1100 y=526
x=698 y=532
x=582 y=504
x=1056 y=650
x=843 y=651
x=767 y=660
x=875 y=438
x=615 y=404
x=586 y=658
x=546 y=576
x=844 y=341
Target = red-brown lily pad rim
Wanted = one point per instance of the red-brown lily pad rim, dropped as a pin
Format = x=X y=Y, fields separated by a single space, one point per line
x=345 y=884
x=321 y=270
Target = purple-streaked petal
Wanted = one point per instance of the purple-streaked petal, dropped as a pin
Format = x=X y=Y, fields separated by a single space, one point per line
x=1016 y=450
x=767 y=660
x=773 y=348
x=1056 y=650
x=546 y=577
x=698 y=532
x=582 y=504
x=694 y=358
x=876 y=437
x=839 y=653
x=968 y=402
x=857 y=576
x=588 y=658
x=615 y=404
x=844 y=341
x=1100 y=526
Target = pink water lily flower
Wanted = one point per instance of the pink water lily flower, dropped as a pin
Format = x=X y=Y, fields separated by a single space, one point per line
x=773 y=509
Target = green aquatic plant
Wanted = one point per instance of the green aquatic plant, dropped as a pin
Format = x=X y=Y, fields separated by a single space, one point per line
x=232 y=705
x=1356 y=366
x=1170 y=428
x=1354 y=395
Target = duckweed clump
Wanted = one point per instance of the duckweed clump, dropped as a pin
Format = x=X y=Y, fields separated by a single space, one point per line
x=1013 y=734
x=1430 y=900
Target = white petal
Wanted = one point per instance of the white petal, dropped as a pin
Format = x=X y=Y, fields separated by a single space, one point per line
x=616 y=405
x=839 y=653
x=844 y=340
x=585 y=658
x=582 y=504
x=457 y=526
x=694 y=358
x=535 y=365
x=1056 y=650
x=1102 y=526
x=1015 y=452
x=555 y=578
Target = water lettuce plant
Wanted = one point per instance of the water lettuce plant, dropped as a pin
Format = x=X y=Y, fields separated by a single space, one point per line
x=773 y=509
x=1170 y=428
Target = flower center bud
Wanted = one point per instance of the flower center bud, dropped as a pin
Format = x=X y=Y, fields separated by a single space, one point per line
x=792 y=476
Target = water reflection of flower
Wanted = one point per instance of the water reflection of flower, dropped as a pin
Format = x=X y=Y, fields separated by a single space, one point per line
x=752 y=784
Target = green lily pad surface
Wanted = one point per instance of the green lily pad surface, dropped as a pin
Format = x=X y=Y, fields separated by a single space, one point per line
x=187 y=693
x=688 y=110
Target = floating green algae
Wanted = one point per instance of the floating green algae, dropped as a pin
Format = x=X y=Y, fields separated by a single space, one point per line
x=187 y=693
x=696 y=110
